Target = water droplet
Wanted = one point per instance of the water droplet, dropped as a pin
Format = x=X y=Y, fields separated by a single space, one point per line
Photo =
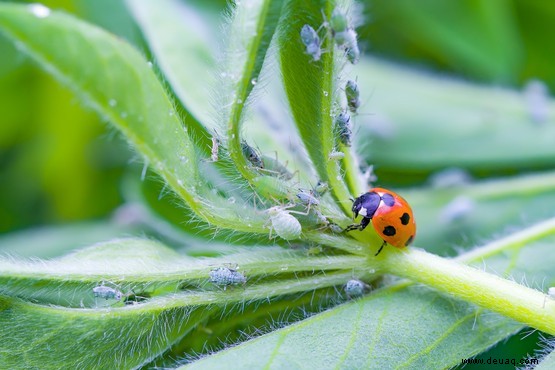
x=231 y=200
x=233 y=136
x=284 y=268
x=39 y=10
x=113 y=102
x=254 y=81
x=180 y=183
x=171 y=112
x=239 y=101
x=325 y=93
x=339 y=178
x=149 y=64
x=183 y=159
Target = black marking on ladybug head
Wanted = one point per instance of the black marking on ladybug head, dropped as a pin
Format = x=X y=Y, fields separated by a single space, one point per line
x=389 y=231
x=366 y=205
x=409 y=240
x=405 y=218
x=388 y=200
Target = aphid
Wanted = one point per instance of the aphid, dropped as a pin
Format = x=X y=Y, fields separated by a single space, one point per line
x=355 y=288
x=321 y=187
x=286 y=226
x=252 y=155
x=311 y=41
x=353 y=53
x=224 y=276
x=273 y=167
x=353 y=95
x=344 y=35
x=391 y=217
x=106 y=292
x=215 y=148
x=343 y=128
x=308 y=198
x=335 y=156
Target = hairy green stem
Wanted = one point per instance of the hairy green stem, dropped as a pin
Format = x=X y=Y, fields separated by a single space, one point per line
x=503 y=296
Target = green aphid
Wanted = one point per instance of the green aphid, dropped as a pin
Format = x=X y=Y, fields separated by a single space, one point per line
x=252 y=155
x=343 y=128
x=353 y=95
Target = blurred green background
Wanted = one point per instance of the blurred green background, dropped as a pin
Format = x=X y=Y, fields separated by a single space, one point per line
x=60 y=163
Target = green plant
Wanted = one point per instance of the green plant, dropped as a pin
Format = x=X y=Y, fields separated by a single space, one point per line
x=173 y=312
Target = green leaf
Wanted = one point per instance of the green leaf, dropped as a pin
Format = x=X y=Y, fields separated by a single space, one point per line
x=144 y=267
x=474 y=127
x=111 y=77
x=178 y=36
x=183 y=44
x=402 y=325
x=476 y=37
x=55 y=338
x=311 y=88
x=253 y=25
x=366 y=334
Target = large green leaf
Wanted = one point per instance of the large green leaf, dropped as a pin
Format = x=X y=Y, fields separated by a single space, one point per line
x=113 y=78
x=447 y=123
x=183 y=45
x=402 y=325
x=312 y=88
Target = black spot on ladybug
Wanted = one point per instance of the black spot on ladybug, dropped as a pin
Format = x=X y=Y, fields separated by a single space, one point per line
x=389 y=231
x=388 y=200
x=409 y=240
x=405 y=218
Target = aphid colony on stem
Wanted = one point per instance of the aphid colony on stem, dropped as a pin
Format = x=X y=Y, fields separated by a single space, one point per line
x=341 y=31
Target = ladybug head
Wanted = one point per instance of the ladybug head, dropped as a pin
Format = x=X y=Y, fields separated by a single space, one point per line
x=366 y=205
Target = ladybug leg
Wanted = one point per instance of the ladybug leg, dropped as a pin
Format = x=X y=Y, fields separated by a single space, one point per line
x=379 y=250
x=365 y=222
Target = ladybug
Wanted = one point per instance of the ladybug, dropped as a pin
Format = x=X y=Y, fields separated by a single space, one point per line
x=391 y=217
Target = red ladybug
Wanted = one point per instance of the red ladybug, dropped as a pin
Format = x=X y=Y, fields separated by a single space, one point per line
x=391 y=217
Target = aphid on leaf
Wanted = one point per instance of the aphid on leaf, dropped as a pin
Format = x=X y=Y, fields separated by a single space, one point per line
x=336 y=156
x=285 y=225
x=353 y=95
x=355 y=288
x=344 y=35
x=308 y=198
x=321 y=187
x=252 y=155
x=106 y=292
x=343 y=128
x=312 y=42
x=225 y=276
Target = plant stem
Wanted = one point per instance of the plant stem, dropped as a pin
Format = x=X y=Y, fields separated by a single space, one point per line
x=506 y=297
